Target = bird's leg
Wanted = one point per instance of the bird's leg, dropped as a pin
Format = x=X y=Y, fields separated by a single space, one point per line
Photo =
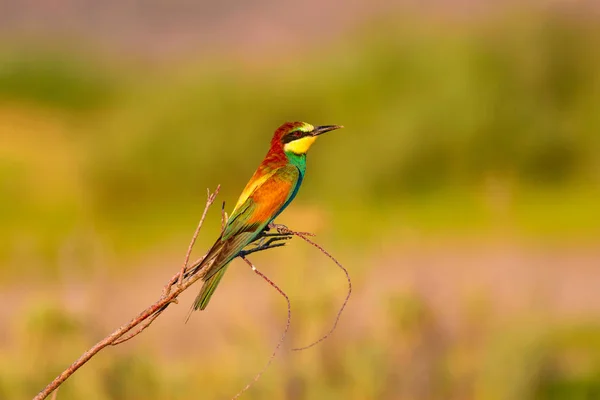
x=265 y=234
x=278 y=227
x=284 y=230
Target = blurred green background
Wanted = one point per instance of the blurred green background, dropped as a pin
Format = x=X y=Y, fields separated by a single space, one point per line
x=463 y=196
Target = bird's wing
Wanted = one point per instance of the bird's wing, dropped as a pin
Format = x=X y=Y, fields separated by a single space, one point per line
x=265 y=201
x=259 y=177
x=248 y=219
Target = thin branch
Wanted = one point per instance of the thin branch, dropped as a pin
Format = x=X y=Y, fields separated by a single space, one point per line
x=182 y=280
x=276 y=240
x=303 y=235
x=285 y=331
x=210 y=199
x=151 y=312
x=143 y=327
x=261 y=248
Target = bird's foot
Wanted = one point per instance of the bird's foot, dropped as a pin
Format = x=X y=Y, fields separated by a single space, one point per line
x=284 y=230
x=278 y=227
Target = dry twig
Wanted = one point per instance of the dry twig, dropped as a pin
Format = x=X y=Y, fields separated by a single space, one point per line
x=285 y=331
x=303 y=235
x=210 y=199
x=183 y=280
x=142 y=320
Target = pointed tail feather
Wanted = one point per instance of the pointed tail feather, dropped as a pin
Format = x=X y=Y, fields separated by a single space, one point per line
x=208 y=289
x=220 y=255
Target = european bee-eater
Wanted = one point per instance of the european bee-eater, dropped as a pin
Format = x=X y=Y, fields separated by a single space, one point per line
x=270 y=190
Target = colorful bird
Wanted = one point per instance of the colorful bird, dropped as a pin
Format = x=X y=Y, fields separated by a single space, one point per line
x=270 y=190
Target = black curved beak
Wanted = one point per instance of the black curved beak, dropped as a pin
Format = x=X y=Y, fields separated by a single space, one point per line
x=319 y=130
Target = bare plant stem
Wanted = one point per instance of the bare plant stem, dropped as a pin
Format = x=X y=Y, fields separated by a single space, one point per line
x=151 y=313
x=210 y=199
x=142 y=327
x=182 y=280
x=285 y=331
x=303 y=235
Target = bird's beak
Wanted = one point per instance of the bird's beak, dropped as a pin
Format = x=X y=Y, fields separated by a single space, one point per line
x=319 y=130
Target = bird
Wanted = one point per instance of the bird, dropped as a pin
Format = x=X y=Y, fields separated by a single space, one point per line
x=272 y=187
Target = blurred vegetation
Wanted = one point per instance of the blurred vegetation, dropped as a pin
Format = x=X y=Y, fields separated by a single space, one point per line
x=448 y=127
x=413 y=358
x=56 y=79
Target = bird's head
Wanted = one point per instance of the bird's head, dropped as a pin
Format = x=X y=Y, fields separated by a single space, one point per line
x=297 y=137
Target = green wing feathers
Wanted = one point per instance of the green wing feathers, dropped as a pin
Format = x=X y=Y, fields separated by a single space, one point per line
x=220 y=255
x=208 y=289
x=265 y=201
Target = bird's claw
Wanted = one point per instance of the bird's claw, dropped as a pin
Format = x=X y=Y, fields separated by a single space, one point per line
x=278 y=227
x=284 y=230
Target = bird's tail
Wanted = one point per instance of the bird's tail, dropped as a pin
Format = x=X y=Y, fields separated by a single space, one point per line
x=216 y=261
x=208 y=289
x=210 y=284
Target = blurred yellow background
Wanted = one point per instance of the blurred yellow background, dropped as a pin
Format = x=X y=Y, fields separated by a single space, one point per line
x=463 y=196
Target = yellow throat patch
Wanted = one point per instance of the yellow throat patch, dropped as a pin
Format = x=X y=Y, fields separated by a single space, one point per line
x=300 y=146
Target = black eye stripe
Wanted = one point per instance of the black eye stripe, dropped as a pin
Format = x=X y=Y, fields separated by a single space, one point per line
x=293 y=136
